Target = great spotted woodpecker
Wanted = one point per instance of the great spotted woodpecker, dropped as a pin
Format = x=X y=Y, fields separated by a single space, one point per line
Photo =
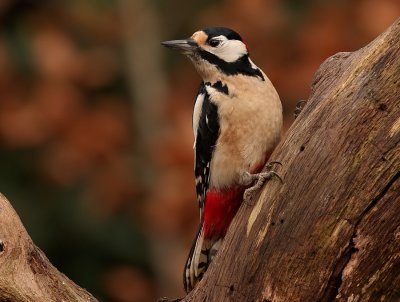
x=237 y=121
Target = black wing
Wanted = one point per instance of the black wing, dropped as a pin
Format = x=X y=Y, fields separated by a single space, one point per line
x=206 y=138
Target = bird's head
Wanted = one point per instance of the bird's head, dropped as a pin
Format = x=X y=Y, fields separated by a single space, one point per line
x=216 y=51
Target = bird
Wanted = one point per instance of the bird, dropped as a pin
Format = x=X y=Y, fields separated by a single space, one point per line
x=237 y=122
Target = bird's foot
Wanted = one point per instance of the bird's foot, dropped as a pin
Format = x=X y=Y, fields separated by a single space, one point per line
x=299 y=108
x=259 y=179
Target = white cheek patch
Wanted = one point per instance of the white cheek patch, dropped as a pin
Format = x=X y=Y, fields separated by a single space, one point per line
x=228 y=50
x=231 y=50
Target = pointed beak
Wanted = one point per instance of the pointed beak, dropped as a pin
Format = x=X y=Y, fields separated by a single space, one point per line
x=186 y=46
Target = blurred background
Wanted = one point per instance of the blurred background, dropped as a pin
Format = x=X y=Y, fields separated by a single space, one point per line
x=95 y=121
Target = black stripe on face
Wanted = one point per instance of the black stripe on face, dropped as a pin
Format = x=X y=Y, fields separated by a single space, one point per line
x=240 y=66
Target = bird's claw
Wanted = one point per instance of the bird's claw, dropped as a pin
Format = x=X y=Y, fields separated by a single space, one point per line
x=274 y=174
x=271 y=164
x=261 y=178
x=299 y=108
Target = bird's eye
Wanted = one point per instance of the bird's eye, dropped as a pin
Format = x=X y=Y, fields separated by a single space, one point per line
x=214 y=43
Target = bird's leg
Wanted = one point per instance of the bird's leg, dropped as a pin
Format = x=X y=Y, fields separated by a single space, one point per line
x=299 y=108
x=259 y=179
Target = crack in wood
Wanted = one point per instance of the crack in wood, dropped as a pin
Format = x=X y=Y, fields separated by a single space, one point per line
x=335 y=281
x=231 y=290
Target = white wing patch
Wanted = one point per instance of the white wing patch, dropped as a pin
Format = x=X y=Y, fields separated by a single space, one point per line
x=196 y=114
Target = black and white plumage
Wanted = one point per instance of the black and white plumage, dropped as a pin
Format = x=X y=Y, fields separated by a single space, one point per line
x=206 y=131
x=237 y=121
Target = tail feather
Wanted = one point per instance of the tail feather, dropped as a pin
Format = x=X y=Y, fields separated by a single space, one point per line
x=201 y=254
x=219 y=209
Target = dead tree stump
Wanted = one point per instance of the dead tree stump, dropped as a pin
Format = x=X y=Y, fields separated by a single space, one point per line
x=331 y=232
x=26 y=275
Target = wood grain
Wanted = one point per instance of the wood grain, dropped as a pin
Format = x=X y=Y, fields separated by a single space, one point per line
x=26 y=275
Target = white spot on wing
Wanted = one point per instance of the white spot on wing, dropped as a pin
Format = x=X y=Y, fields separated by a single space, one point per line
x=196 y=114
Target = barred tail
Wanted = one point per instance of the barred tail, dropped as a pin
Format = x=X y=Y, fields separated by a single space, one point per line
x=200 y=256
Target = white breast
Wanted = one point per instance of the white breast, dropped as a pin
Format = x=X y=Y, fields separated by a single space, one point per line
x=250 y=127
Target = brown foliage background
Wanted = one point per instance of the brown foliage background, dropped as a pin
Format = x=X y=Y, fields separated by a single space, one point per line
x=95 y=121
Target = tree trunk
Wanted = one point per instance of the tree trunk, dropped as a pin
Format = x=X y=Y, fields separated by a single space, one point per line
x=26 y=275
x=331 y=232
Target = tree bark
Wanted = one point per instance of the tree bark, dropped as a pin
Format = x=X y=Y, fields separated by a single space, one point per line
x=331 y=232
x=26 y=275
